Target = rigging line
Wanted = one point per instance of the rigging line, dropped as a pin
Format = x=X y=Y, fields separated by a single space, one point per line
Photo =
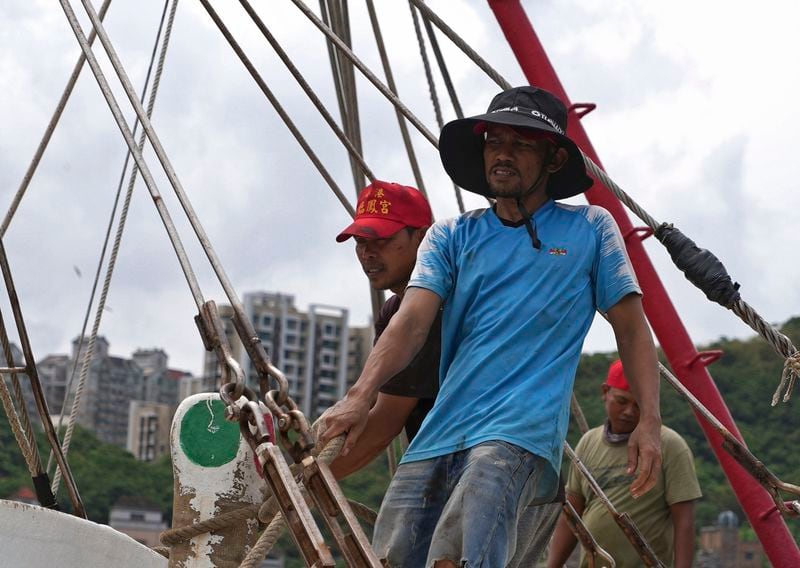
x=20 y=433
x=22 y=428
x=340 y=21
x=429 y=14
x=155 y=142
x=278 y=108
x=48 y=133
x=348 y=97
x=578 y=415
x=737 y=449
x=15 y=382
x=326 y=115
x=36 y=385
x=423 y=52
x=160 y=56
x=367 y=73
x=335 y=71
x=448 y=81
x=376 y=297
x=126 y=133
x=437 y=108
x=387 y=69
x=779 y=342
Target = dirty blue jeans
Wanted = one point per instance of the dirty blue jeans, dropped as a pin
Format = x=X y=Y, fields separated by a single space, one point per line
x=462 y=506
x=534 y=530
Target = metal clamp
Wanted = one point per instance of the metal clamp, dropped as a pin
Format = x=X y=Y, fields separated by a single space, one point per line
x=333 y=506
x=593 y=550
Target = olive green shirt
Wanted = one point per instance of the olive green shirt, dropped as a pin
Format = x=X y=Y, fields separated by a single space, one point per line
x=650 y=512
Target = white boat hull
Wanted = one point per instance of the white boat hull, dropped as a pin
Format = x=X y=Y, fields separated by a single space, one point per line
x=33 y=537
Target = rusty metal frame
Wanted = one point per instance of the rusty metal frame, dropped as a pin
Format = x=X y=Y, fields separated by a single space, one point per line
x=741 y=454
x=593 y=550
x=336 y=511
x=632 y=532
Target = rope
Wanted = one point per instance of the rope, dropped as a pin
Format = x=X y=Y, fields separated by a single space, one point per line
x=117 y=239
x=348 y=101
x=346 y=96
x=277 y=106
x=736 y=448
x=782 y=345
x=178 y=535
x=326 y=115
x=626 y=524
x=437 y=109
x=18 y=429
x=147 y=176
x=265 y=511
x=162 y=550
x=619 y=193
x=387 y=69
x=429 y=14
x=577 y=413
x=363 y=512
x=48 y=133
x=20 y=423
x=366 y=72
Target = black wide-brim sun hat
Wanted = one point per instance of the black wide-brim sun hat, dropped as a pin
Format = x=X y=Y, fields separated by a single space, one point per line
x=461 y=147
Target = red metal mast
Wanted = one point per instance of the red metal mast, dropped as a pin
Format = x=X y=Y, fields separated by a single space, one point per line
x=688 y=364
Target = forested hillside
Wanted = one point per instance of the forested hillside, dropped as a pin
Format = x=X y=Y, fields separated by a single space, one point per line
x=746 y=376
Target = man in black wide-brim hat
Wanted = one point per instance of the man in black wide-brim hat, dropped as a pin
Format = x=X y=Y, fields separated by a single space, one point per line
x=520 y=283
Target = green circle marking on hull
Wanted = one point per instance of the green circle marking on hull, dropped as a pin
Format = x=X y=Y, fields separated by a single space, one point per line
x=207 y=438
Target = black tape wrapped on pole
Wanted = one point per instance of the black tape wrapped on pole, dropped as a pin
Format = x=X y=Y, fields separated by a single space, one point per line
x=700 y=266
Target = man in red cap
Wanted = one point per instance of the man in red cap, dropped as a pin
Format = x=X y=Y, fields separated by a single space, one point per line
x=391 y=220
x=665 y=515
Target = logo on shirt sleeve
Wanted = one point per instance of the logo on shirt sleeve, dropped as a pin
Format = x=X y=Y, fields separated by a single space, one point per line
x=557 y=251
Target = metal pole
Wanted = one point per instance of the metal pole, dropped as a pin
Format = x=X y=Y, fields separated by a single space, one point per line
x=689 y=365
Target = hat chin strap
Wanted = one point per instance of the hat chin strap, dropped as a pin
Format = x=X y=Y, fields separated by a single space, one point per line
x=530 y=223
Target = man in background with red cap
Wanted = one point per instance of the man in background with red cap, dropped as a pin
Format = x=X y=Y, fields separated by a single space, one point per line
x=665 y=515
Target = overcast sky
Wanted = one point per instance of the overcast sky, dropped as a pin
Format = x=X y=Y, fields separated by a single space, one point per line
x=695 y=119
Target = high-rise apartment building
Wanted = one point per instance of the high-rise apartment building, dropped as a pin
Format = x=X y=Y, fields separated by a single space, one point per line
x=126 y=402
x=311 y=348
x=360 y=340
x=149 y=424
x=111 y=383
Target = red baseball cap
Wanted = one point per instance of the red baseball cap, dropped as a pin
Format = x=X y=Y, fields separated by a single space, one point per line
x=616 y=377
x=384 y=208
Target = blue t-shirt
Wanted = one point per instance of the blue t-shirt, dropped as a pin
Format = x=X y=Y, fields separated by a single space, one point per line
x=514 y=323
